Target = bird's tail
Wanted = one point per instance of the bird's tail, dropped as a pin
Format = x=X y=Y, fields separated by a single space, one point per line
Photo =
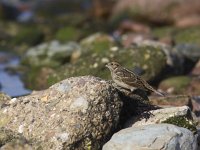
x=155 y=91
x=159 y=93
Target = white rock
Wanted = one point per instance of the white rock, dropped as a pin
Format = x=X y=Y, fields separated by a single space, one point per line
x=153 y=137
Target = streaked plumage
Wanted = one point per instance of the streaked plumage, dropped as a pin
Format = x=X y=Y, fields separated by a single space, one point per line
x=127 y=79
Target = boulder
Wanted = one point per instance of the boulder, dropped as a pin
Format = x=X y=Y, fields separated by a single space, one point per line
x=79 y=112
x=155 y=136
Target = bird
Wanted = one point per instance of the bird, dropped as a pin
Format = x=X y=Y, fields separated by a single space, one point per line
x=127 y=79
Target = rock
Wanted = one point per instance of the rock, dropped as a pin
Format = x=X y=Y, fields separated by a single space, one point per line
x=98 y=43
x=175 y=85
x=93 y=60
x=7 y=137
x=196 y=70
x=4 y=99
x=188 y=36
x=181 y=85
x=128 y=25
x=16 y=145
x=50 y=54
x=156 y=136
x=155 y=11
x=180 y=116
x=68 y=33
x=79 y=112
x=129 y=39
x=188 y=21
x=173 y=100
x=189 y=51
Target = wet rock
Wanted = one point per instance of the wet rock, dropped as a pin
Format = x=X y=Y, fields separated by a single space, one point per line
x=156 y=136
x=50 y=54
x=78 y=112
x=180 y=116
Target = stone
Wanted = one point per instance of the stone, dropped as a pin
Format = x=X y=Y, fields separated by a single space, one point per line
x=175 y=85
x=172 y=100
x=181 y=85
x=50 y=54
x=180 y=116
x=79 y=112
x=155 y=136
x=155 y=11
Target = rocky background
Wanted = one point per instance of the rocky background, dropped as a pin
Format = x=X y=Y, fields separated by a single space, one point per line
x=57 y=93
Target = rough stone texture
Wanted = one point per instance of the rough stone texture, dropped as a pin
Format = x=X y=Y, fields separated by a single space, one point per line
x=3 y=99
x=79 y=112
x=161 y=115
x=157 y=136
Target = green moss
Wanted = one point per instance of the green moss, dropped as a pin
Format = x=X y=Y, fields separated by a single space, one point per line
x=188 y=35
x=164 y=31
x=30 y=79
x=179 y=83
x=28 y=36
x=68 y=34
x=182 y=121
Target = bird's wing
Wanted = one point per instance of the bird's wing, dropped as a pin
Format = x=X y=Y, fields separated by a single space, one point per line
x=130 y=78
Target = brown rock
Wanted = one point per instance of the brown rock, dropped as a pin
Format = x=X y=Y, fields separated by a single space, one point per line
x=76 y=113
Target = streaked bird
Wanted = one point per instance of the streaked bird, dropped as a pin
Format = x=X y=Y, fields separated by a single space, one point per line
x=127 y=79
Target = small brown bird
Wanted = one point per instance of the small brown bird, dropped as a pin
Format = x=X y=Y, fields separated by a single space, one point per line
x=125 y=78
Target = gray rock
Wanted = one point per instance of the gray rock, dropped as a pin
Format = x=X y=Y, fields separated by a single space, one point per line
x=157 y=136
x=189 y=51
x=160 y=115
x=79 y=112
x=51 y=54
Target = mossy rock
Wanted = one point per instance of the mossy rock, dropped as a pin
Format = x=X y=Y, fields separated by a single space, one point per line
x=188 y=35
x=162 y=32
x=146 y=57
x=68 y=33
x=179 y=84
x=28 y=36
x=182 y=121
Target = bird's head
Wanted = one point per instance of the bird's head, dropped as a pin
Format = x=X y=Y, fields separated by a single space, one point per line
x=112 y=65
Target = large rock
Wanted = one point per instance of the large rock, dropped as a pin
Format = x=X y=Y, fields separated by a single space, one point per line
x=145 y=56
x=79 y=112
x=156 y=11
x=156 y=136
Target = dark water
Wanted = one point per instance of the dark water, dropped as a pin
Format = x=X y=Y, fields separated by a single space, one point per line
x=10 y=83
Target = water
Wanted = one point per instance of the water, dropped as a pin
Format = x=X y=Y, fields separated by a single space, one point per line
x=10 y=83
